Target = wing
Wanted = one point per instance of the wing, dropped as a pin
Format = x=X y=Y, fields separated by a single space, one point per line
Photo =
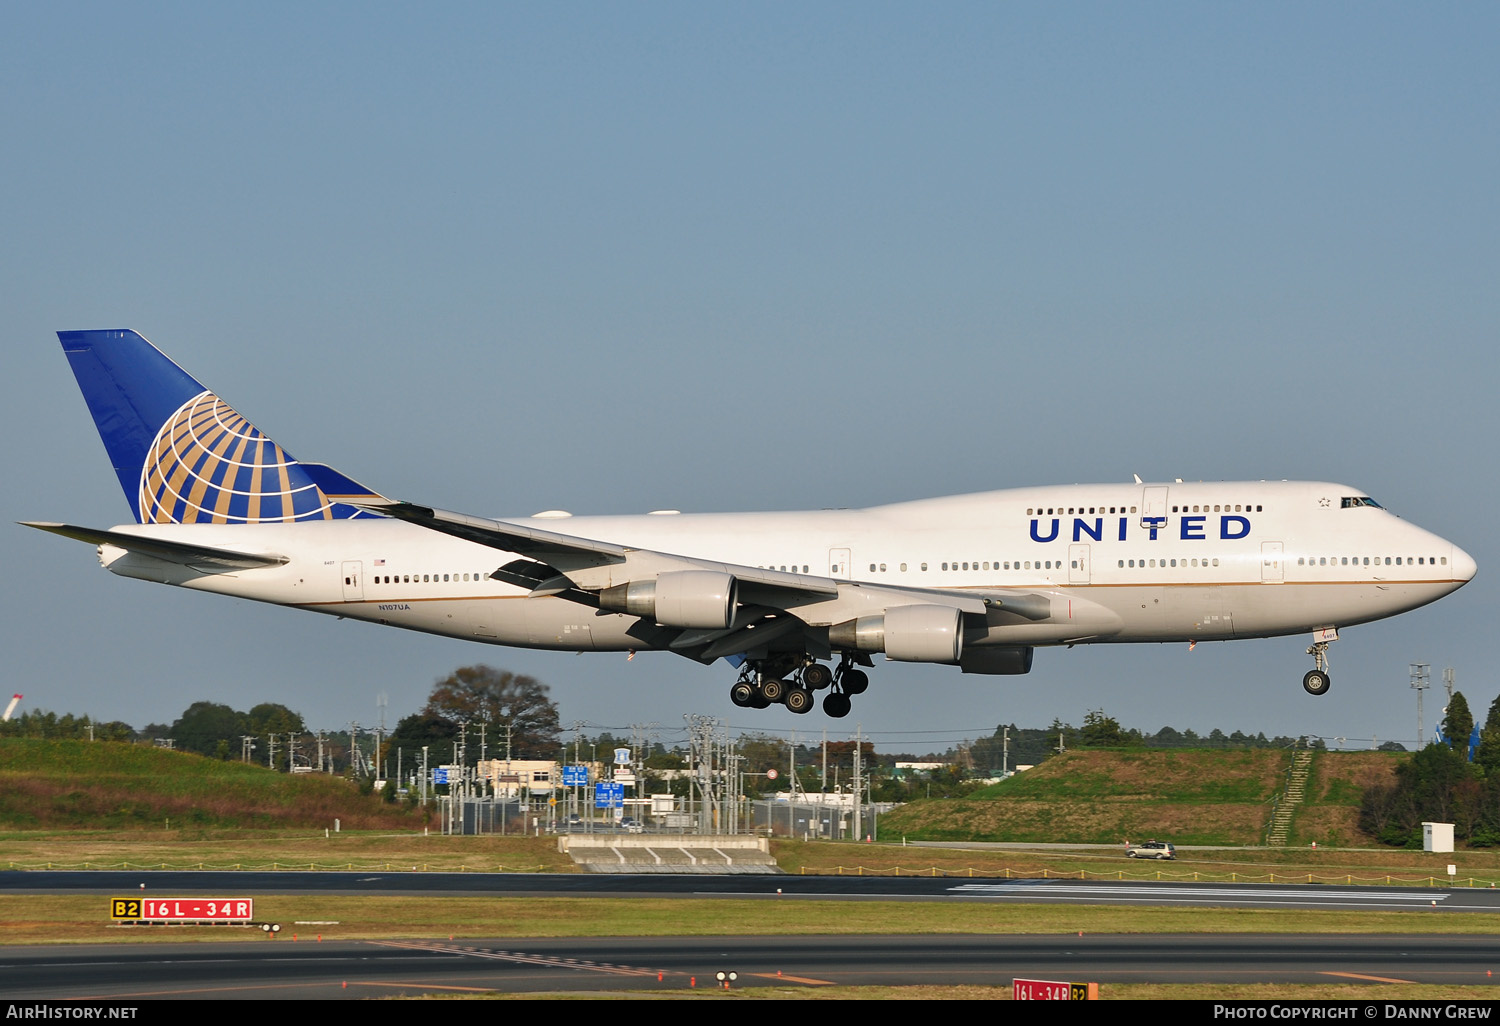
x=584 y=559
x=703 y=608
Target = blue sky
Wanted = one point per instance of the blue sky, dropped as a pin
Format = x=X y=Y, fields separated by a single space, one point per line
x=611 y=258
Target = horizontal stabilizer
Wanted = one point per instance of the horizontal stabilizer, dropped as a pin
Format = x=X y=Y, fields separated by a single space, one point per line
x=182 y=553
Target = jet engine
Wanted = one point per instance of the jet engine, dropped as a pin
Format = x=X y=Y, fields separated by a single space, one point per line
x=701 y=599
x=908 y=634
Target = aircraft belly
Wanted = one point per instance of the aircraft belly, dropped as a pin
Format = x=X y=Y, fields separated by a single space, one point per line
x=1263 y=610
x=1201 y=612
x=558 y=623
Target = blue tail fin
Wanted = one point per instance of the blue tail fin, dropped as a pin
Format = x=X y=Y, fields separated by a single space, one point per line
x=182 y=455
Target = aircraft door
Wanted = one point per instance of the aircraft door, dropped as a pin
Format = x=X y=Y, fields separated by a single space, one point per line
x=1078 y=564
x=838 y=564
x=353 y=571
x=1271 y=563
x=1154 y=507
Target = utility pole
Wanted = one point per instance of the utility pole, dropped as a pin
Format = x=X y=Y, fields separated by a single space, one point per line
x=858 y=780
x=1005 y=756
x=791 y=767
x=1448 y=683
x=791 y=802
x=461 y=757
x=642 y=737
x=707 y=775
x=1421 y=680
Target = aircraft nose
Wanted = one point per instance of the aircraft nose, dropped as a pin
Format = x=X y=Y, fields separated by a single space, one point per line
x=1464 y=567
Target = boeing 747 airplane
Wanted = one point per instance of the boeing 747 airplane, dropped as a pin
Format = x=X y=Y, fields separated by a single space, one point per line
x=798 y=602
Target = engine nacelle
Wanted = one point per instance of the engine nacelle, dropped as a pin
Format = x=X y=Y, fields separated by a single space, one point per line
x=701 y=599
x=908 y=634
x=997 y=659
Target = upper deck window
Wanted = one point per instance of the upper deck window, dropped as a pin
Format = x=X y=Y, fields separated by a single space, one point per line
x=1350 y=501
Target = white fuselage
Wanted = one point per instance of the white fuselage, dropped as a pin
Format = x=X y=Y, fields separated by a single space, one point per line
x=1120 y=563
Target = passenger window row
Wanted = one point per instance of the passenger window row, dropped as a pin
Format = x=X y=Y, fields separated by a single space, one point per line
x=424 y=578
x=1367 y=561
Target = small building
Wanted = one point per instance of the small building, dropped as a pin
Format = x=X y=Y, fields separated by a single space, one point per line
x=1437 y=836
x=512 y=778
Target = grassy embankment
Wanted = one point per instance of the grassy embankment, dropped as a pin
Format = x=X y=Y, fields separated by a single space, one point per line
x=71 y=804
x=75 y=805
x=75 y=784
x=1188 y=796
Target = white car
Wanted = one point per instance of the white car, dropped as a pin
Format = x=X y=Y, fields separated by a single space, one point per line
x=1152 y=850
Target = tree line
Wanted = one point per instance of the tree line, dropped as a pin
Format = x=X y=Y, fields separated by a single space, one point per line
x=512 y=709
x=1029 y=746
x=1453 y=780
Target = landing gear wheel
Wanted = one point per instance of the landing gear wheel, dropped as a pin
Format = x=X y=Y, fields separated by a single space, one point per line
x=772 y=689
x=760 y=702
x=742 y=694
x=855 y=682
x=817 y=676
x=837 y=705
x=1315 y=682
x=799 y=700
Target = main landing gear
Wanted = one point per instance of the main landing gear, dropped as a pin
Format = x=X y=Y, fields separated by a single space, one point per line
x=1316 y=681
x=785 y=681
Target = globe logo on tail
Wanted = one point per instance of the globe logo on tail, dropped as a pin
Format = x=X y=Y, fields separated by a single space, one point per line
x=209 y=465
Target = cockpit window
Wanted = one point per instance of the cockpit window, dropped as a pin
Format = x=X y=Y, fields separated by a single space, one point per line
x=1350 y=501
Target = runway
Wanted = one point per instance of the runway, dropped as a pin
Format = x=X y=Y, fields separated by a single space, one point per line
x=282 y=968
x=348 y=969
x=839 y=888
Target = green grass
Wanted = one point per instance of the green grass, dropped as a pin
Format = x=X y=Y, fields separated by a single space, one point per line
x=1189 y=796
x=406 y=851
x=62 y=784
x=1171 y=775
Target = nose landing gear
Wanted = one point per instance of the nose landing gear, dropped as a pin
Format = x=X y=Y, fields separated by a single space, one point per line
x=1316 y=681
